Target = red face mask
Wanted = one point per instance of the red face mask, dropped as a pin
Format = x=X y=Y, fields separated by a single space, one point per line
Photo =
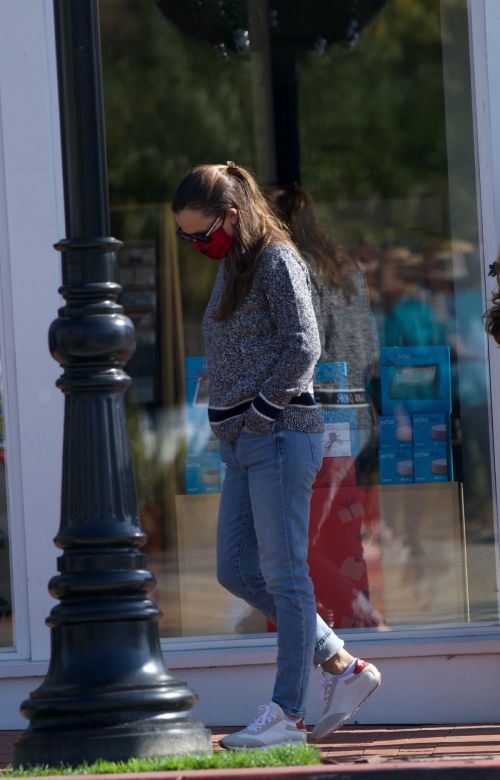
x=220 y=244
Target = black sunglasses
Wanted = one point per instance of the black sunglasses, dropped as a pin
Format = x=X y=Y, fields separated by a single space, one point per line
x=203 y=237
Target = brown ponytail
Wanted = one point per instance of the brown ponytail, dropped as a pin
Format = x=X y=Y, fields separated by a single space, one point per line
x=216 y=188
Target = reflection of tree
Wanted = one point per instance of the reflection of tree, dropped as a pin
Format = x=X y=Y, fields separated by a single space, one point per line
x=170 y=103
x=380 y=129
x=371 y=121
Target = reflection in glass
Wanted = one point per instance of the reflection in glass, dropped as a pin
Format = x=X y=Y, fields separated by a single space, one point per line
x=381 y=136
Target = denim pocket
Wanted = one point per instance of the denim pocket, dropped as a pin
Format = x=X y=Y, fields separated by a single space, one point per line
x=258 y=434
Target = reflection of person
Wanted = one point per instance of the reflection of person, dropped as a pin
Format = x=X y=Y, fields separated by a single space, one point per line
x=492 y=315
x=409 y=320
x=262 y=343
x=348 y=333
x=340 y=298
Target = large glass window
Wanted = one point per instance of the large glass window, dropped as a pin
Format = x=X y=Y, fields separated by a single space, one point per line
x=368 y=108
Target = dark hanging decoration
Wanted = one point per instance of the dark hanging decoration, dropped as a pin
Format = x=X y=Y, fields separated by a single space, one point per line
x=353 y=28
x=241 y=41
x=297 y=24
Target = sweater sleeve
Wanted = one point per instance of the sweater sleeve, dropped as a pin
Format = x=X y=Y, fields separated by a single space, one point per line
x=286 y=287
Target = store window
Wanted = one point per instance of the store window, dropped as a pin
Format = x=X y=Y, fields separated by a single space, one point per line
x=6 y=635
x=369 y=111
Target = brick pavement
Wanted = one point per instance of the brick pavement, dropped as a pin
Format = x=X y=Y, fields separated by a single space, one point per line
x=383 y=746
x=371 y=744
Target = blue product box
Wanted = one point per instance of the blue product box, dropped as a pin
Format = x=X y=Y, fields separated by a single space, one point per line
x=342 y=435
x=396 y=466
x=337 y=440
x=395 y=432
x=196 y=381
x=432 y=464
x=341 y=432
x=199 y=435
x=329 y=378
x=415 y=380
x=203 y=474
x=202 y=468
x=429 y=430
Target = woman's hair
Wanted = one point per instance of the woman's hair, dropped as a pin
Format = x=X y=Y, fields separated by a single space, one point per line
x=298 y=210
x=213 y=189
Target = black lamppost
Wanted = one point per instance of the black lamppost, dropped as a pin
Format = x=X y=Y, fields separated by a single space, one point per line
x=107 y=693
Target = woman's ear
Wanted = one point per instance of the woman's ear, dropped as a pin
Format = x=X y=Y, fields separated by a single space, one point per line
x=232 y=215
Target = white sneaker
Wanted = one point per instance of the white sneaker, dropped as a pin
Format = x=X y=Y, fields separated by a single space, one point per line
x=271 y=727
x=343 y=696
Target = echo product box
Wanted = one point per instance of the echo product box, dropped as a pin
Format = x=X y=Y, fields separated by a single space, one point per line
x=337 y=440
x=341 y=438
x=196 y=381
x=395 y=431
x=396 y=466
x=198 y=433
x=329 y=378
x=429 y=430
x=415 y=379
x=432 y=464
x=203 y=474
x=202 y=467
x=339 y=408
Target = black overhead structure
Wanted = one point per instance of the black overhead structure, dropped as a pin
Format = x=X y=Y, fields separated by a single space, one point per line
x=107 y=693
x=293 y=26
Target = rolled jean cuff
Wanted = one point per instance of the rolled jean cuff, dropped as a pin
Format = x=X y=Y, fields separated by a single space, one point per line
x=326 y=647
x=288 y=711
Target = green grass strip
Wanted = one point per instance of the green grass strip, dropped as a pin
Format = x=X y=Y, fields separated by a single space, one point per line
x=282 y=755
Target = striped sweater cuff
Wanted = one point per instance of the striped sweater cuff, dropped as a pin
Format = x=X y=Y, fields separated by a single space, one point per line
x=265 y=408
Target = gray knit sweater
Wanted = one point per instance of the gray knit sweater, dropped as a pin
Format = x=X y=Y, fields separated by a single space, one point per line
x=347 y=328
x=261 y=359
x=348 y=332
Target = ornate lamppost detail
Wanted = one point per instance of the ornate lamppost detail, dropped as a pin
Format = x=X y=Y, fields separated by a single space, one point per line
x=107 y=693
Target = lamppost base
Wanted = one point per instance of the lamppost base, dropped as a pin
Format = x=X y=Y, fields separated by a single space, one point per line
x=140 y=740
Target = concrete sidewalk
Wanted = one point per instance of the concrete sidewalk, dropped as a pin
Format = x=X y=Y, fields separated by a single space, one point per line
x=371 y=752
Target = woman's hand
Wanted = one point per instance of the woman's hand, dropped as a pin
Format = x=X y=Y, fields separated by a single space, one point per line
x=253 y=422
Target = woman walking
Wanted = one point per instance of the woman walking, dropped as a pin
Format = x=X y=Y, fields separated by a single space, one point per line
x=262 y=343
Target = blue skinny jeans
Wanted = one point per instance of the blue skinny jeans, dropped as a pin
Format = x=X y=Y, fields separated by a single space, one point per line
x=262 y=542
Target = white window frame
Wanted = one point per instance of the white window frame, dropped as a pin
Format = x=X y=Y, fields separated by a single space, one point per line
x=485 y=31
x=31 y=220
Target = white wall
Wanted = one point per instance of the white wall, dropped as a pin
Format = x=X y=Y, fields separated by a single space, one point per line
x=421 y=683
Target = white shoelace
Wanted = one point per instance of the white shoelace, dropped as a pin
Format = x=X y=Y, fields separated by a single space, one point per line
x=262 y=720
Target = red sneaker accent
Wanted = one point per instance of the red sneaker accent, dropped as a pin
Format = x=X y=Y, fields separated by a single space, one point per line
x=301 y=724
x=360 y=665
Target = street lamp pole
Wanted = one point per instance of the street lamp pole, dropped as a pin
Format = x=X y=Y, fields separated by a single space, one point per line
x=107 y=693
